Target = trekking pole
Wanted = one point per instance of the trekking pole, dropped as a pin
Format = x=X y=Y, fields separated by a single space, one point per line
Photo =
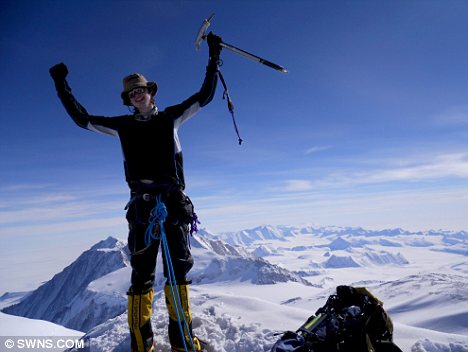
x=202 y=36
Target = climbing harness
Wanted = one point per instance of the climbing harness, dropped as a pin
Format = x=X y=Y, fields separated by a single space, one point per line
x=156 y=221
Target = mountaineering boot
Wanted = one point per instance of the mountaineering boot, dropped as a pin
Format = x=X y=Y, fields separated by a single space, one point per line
x=140 y=306
x=197 y=343
x=175 y=338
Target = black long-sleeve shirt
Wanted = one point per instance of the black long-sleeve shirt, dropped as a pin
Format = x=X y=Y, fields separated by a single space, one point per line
x=150 y=146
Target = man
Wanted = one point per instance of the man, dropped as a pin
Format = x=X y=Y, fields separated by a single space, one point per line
x=153 y=166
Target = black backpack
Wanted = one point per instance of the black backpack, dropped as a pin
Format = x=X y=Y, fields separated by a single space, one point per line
x=353 y=320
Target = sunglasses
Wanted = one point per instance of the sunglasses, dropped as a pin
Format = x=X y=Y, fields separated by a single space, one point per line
x=136 y=91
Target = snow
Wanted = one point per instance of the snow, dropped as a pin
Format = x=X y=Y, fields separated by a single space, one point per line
x=251 y=284
x=11 y=325
x=68 y=298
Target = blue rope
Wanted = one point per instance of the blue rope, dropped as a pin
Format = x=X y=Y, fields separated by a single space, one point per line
x=176 y=295
x=158 y=217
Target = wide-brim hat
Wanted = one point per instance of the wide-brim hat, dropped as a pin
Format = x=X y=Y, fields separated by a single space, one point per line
x=136 y=80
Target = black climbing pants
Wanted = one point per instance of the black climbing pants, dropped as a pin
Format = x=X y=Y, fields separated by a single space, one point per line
x=143 y=262
x=176 y=226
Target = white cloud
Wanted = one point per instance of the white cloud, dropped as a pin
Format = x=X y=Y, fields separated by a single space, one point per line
x=455 y=116
x=444 y=166
x=115 y=226
x=316 y=149
x=39 y=209
x=23 y=187
x=287 y=197
x=412 y=209
x=397 y=198
x=297 y=185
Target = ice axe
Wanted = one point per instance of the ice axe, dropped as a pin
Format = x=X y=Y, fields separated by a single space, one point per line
x=202 y=36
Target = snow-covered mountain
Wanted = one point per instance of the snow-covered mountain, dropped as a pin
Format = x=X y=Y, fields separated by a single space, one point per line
x=256 y=271
x=67 y=298
x=340 y=236
x=93 y=288
x=340 y=262
x=248 y=285
x=260 y=233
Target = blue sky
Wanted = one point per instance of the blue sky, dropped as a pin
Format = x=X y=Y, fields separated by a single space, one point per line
x=369 y=127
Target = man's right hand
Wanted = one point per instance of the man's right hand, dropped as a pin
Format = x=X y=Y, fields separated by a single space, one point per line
x=59 y=71
x=214 y=45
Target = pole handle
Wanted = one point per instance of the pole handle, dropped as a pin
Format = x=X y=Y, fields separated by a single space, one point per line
x=253 y=57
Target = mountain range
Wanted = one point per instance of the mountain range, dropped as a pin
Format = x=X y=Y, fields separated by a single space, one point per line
x=250 y=284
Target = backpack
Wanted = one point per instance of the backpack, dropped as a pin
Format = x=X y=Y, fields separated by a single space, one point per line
x=352 y=320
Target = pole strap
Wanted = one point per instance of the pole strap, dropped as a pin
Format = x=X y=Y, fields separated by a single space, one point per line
x=230 y=106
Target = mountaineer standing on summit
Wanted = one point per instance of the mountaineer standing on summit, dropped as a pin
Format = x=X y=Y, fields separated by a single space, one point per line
x=153 y=169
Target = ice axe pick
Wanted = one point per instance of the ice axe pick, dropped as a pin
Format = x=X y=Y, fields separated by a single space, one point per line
x=202 y=36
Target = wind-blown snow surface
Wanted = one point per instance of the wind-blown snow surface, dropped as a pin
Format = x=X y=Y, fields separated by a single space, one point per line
x=251 y=284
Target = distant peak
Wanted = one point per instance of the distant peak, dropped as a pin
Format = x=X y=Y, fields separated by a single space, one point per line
x=108 y=243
